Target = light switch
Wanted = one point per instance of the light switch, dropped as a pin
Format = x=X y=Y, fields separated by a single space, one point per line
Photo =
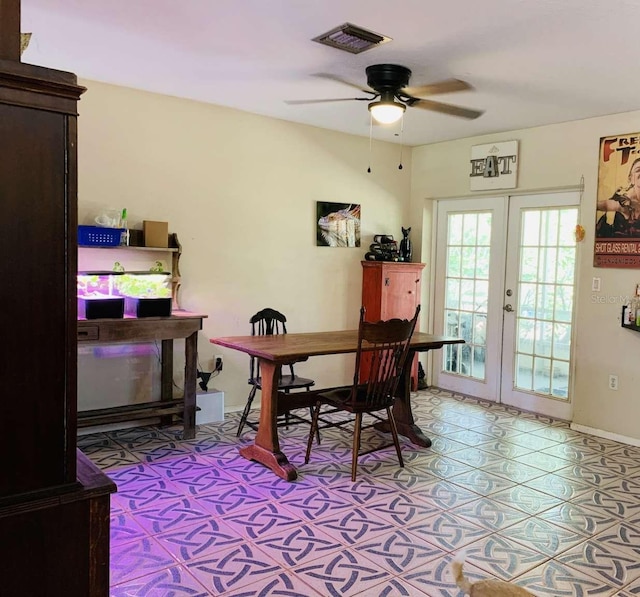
x=595 y=285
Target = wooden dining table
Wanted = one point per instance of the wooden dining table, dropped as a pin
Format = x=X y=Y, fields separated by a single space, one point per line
x=285 y=349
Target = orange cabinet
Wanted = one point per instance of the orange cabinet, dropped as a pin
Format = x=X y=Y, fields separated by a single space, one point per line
x=390 y=289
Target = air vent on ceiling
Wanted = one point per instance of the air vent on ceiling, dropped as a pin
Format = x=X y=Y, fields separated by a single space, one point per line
x=351 y=38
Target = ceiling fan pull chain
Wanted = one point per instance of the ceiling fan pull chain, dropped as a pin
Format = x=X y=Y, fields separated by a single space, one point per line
x=401 y=142
x=370 y=134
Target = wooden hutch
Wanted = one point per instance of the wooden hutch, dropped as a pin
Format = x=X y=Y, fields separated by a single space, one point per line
x=54 y=503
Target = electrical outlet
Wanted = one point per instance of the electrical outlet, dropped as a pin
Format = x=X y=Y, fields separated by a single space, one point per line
x=613 y=382
x=217 y=359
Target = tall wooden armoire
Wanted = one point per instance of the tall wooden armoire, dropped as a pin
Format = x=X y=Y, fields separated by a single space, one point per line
x=390 y=289
x=54 y=503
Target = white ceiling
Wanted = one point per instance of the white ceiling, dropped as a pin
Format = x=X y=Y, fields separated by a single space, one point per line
x=532 y=62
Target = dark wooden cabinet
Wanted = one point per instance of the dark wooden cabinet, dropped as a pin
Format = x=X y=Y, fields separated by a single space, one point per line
x=390 y=289
x=54 y=503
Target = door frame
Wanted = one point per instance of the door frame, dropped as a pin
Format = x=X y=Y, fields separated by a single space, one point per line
x=431 y=215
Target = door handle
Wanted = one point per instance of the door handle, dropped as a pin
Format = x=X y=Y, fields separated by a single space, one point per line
x=508 y=308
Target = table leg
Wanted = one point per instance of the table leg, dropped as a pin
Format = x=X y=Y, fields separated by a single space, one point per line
x=266 y=448
x=190 y=378
x=402 y=409
x=166 y=376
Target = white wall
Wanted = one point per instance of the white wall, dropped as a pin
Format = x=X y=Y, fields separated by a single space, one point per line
x=240 y=191
x=551 y=157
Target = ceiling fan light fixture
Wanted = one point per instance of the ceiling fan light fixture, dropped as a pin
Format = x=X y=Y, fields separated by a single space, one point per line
x=387 y=112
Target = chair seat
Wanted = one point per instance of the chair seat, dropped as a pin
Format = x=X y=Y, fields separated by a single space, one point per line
x=341 y=397
x=287 y=382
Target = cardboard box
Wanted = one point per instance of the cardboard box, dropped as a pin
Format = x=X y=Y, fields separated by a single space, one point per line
x=156 y=234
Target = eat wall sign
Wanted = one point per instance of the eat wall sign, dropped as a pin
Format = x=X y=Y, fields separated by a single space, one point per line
x=494 y=166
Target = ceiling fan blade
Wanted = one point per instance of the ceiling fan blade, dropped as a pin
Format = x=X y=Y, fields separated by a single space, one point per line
x=447 y=86
x=339 y=80
x=450 y=109
x=324 y=101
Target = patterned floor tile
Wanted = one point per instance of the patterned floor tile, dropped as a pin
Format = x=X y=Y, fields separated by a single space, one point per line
x=233 y=568
x=503 y=558
x=514 y=471
x=138 y=437
x=436 y=579
x=559 y=486
x=554 y=579
x=95 y=442
x=396 y=521
x=571 y=452
x=138 y=558
x=526 y=499
x=489 y=514
x=503 y=448
x=394 y=587
x=469 y=437
x=160 y=451
x=579 y=518
x=595 y=478
x=623 y=537
x=617 y=503
x=344 y=573
x=448 y=531
x=284 y=584
x=167 y=515
x=354 y=526
x=232 y=499
x=546 y=462
x=403 y=508
x=603 y=562
x=444 y=495
x=632 y=589
x=263 y=521
x=482 y=482
x=314 y=504
x=531 y=441
x=113 y=459
x=441 y=444
x=299 y=545
x=543 y=536
x=124 y=528
x=399 y=551
x=441 y=466
x=175 y=581
x=473 y=457
x=195 y=541
x=364 y=491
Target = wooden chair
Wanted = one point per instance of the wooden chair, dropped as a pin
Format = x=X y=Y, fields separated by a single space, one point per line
x=387 y=344
x=269 y=322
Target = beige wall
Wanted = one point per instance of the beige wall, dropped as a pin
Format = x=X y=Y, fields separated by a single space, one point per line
x=552 y=157
x=240 y=191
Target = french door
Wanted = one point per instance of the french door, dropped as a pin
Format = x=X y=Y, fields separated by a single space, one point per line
x=504 y=280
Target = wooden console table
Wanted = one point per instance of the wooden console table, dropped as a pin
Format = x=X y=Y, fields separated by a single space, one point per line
x=181 y=324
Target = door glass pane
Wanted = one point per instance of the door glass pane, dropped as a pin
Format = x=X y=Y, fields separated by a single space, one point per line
x=466 y=281
x=545 y=301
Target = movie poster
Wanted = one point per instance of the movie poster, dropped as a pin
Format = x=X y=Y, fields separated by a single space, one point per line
x=617 y=237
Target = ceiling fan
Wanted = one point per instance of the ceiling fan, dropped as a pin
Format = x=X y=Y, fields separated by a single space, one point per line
x=391 y=94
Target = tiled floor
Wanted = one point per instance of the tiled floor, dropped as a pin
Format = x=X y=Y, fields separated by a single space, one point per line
x=528 y=499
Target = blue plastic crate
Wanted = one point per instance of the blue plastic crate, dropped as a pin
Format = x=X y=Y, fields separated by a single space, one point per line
x=96 y=236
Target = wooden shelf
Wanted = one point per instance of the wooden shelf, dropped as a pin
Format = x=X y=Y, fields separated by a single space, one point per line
x=127 y=247
x=629 y=326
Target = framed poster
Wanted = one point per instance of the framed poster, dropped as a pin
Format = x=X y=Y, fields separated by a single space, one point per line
x=617 y=234
x=338 y=224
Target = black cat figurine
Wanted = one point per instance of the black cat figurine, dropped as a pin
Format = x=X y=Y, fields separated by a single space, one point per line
x=405 y=245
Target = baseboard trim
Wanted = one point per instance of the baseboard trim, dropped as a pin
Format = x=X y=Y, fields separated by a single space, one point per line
x=632 y=441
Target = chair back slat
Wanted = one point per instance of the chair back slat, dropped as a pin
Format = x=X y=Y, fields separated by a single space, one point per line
x=266 y=322
x=387 y=344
